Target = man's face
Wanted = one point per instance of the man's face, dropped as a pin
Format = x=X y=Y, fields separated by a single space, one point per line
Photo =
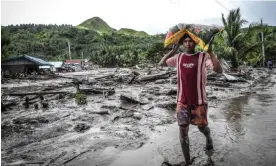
x=189 y=44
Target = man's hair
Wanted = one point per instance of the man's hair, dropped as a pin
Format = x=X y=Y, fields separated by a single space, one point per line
x=181 y=40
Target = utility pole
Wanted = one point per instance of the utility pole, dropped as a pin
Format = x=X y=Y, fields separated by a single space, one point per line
x=69 y=49
x=263 y=51
x=82 y=58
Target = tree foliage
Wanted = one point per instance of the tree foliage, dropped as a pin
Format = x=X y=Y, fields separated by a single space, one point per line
x=239 y=44
x=51 y=43
x=122 y=48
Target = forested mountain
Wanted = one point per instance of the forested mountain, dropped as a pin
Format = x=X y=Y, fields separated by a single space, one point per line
x=96 y=24
x=94 y=38
x=107 y=46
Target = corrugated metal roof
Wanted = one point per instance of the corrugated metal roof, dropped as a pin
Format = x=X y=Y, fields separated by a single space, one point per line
x=38 y=61
x=41 y=62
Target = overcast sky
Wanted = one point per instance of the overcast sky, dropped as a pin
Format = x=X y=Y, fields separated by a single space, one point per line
x=152 y=16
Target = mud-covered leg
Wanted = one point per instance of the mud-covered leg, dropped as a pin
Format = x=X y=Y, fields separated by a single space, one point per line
x=184 y=141
x=206 y=131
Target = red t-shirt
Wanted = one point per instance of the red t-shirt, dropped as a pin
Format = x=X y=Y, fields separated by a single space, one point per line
x=191 y=76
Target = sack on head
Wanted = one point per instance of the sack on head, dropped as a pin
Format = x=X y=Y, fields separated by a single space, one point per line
x=203 y=35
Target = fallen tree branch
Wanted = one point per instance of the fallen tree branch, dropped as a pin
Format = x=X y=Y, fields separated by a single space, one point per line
x=75 y=156
x=48 y=162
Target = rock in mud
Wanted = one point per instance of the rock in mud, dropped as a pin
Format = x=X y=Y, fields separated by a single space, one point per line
x=172 y=92
x=123 y=114
x=36 y=106
x=137 y=116
x=161 y=81
x=45 y=104
x=131 y=100
x=170 y=105
x=81 y=127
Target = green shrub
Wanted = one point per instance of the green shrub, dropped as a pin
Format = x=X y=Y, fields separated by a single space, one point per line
x=80 y=98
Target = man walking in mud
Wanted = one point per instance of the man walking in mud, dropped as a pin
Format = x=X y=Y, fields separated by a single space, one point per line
x=191 y=108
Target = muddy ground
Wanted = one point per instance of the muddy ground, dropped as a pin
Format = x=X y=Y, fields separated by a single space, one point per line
x=137 y=124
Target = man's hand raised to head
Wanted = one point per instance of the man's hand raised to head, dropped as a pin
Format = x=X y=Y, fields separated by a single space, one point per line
x=214 y=59
x=168 y=55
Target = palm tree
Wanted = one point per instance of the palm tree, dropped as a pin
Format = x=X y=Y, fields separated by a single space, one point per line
x=233 y=33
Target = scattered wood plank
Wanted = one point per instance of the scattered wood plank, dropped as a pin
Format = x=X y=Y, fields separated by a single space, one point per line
x=65 y=77
x=237 y=74
x=154 y=77
x=128 y=109
x=48 y=162
x=7 y=105
x=105 y=77
x=33 y=162
x=230 y=78
x=35 y=93
x=33 y=98
x=100 y=112
x=132 y=79
x=30 y=102
x=104 y=91
x=220 y=84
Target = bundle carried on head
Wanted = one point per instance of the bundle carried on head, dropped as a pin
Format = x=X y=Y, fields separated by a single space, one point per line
x=203 y=35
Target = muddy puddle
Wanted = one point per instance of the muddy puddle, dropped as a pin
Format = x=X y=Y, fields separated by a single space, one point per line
x=136 y=129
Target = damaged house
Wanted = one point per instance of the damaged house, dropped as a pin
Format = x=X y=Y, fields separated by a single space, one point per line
x=23 y=64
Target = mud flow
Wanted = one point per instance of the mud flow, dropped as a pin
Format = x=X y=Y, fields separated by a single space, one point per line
x=126 y=117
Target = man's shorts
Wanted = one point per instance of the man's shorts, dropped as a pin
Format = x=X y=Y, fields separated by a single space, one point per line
x=191 y=114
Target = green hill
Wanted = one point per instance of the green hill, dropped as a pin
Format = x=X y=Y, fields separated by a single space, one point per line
x=131 y=32
x=96 y=24
x=50 y=42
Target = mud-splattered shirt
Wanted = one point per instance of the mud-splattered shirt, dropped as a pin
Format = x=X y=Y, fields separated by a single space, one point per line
x=191 y=76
